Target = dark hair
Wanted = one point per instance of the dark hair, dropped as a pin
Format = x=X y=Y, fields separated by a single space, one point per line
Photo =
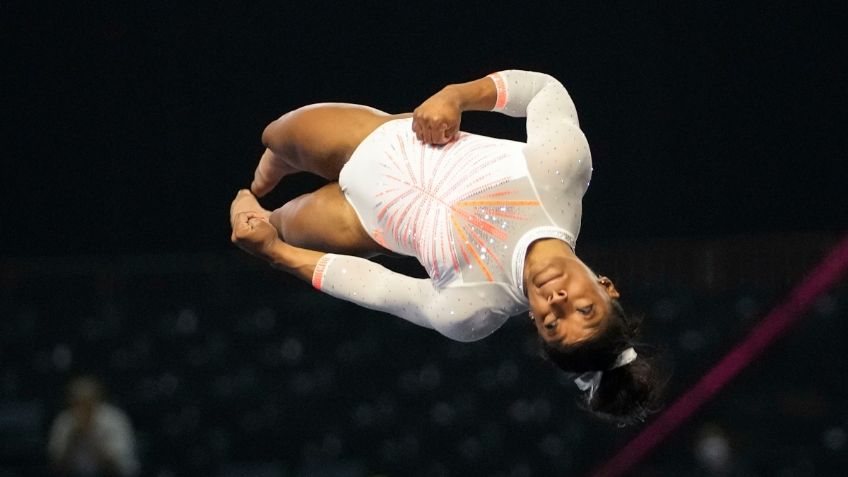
x=626 y=394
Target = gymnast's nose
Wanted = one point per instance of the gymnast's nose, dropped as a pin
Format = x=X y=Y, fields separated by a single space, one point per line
x=559 y=296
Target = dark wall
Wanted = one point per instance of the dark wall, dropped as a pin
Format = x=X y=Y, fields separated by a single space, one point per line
x=128 y=128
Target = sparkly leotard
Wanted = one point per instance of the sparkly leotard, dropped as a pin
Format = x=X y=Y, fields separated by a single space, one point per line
x=467 y=211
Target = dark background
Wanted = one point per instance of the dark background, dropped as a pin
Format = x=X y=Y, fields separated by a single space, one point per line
x=129 y=127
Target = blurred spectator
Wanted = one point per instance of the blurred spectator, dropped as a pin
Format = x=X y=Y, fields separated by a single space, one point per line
x=715 y=455
x=91 y=437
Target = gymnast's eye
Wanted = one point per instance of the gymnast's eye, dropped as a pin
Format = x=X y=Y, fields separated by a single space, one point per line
x=586 y=310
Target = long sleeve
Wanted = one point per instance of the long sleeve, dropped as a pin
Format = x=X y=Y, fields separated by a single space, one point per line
x=460 y=312
x=557 y=152
x=523 y=93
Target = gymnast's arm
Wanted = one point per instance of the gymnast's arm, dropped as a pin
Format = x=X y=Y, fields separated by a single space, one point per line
x=550 y=112
x=554 y=139
x=436 y=120
x=463 y=313
x=557 y=153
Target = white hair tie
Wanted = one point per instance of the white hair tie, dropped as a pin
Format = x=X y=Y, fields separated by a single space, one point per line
x=590 y=380
x=624 y=358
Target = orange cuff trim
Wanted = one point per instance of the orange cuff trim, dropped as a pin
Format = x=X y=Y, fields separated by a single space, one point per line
x=320 y=268
x=500 y=85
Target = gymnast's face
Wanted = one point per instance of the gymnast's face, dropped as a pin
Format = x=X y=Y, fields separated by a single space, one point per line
x=568 y=301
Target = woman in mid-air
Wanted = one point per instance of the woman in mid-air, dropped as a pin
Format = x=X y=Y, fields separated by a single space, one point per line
x=494 y=223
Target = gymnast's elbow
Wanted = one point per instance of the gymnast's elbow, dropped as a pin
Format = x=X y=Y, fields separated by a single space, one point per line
x=469 y=327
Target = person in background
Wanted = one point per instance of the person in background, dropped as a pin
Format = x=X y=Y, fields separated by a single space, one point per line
x=91 y=437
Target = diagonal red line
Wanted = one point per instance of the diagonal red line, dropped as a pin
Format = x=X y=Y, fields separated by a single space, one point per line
x=826 y=274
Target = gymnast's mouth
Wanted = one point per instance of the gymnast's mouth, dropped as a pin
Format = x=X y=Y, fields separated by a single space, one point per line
x=546 y=276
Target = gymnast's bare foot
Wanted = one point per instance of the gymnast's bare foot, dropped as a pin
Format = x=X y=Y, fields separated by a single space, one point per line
x=245 y=202
x=271 y=169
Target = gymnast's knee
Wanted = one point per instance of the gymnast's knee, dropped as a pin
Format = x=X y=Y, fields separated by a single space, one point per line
x=273 y=135
x=279 y=219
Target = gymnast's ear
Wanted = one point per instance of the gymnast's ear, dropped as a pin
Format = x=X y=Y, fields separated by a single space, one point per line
x=609 y=286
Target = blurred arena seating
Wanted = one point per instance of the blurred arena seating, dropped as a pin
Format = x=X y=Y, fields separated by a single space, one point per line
x=228 y=368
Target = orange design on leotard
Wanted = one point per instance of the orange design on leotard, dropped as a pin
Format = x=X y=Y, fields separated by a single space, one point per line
x=425 y=197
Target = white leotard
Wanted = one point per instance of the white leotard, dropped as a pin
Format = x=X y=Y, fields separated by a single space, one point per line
x=467 y=211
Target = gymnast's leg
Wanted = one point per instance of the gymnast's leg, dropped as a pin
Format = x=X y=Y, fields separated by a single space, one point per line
x=322 y=220
x=319 y=139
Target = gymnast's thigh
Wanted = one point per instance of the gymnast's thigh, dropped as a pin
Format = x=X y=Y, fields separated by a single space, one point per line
x=320 y=138
x=323 y=220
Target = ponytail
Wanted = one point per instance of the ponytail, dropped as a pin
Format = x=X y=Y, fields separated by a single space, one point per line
x=614 y=391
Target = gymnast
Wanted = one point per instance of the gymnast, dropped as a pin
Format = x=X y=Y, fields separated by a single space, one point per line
x=494 y=223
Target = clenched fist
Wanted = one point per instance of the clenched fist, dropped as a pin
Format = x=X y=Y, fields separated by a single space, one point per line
x=436 y=120
x=254 y=234
x=251 y=230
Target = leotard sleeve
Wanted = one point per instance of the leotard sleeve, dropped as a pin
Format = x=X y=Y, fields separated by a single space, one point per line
x=462 y=313
x=557 y=152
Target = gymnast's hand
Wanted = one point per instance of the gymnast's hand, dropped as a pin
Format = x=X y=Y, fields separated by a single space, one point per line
x=252 y=232
x=437 y=120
